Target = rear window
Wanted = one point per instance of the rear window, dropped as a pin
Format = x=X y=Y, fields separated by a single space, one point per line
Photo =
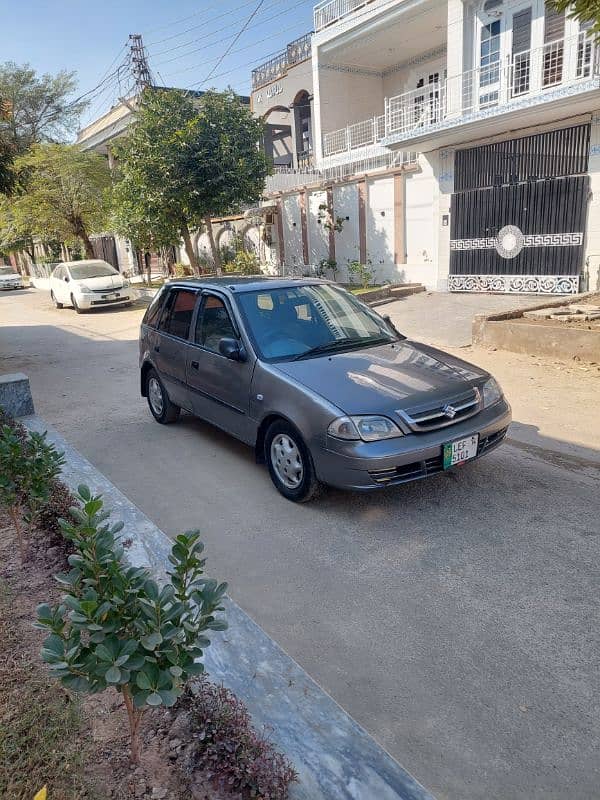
x=177 y=314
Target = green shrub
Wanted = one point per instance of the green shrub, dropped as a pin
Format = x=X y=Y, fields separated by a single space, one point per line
x=116 y=627
x=28 y=468
x=182 y=270
x=362 y=272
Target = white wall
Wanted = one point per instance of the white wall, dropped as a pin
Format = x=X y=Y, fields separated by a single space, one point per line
x=421 y=247
x=318 y=234
x=348 y=97
x=592 y=249
x=292 y=229
x=380 y=227
x=347 y=241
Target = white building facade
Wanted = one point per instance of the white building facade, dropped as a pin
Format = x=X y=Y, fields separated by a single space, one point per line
x=457 y=143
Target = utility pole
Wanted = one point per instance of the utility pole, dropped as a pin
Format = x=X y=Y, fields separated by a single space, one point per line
x=139 y=62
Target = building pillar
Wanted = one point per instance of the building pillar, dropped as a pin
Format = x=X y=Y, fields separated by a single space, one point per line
x=295 y=127
x=362 y=219
x=399 y=218
x=455 y=58
x=304 y=223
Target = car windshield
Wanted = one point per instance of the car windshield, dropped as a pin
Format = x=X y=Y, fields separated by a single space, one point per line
x=301 y=321
x=93 y=269
x=6 y=271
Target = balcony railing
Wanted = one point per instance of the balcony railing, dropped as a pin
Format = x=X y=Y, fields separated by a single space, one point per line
x=328 y=12
x=286 y=178
x=297 y=51
x=360 y=134
x=530 y=77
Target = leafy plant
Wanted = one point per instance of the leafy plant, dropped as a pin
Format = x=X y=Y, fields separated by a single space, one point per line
x=247 y=263
x=116 y=627
x=182 y=270
x=228 y=750
x=28 y=467
x=330 y=222
x=362 y=272
x=328 y=265
x=57 y=506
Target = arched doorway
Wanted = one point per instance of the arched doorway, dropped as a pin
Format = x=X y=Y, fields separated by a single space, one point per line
x=303 y=129
x=277 y=138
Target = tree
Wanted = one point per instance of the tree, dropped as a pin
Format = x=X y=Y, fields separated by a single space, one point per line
x=15 y=229
x=115 y=627
x=63 y=193
x=36 y=108
x=585 y=11
x=184 y=162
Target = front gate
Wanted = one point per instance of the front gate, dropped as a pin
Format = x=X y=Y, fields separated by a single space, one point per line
x=518 y=214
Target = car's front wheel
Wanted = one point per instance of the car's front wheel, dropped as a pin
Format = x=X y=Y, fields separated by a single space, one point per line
x=290 y=464
x=162 y=409
x=75 y=306
x=55 y=301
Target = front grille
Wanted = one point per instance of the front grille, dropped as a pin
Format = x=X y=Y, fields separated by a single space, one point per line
x=106 y=302
x=405 y=473
x=439 y=416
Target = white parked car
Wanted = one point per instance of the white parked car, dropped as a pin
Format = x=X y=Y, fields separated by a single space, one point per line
x=9 y=278
x=89 y=284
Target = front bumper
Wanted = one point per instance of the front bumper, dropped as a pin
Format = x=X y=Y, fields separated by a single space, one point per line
x=12 y=285
x=375 y=465
x=97 y=300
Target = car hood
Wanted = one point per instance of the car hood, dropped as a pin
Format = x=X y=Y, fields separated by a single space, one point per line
x=105 y=282
x=384 y=378
x=13 y=276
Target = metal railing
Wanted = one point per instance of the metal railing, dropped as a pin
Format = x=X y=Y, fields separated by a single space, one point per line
x=285 y=179
x=359 y=134
x=328 y=12
x=297 y=51
x=530 y=74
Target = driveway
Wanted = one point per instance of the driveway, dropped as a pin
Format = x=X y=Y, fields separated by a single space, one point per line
x=444 y=318
x=456 y=619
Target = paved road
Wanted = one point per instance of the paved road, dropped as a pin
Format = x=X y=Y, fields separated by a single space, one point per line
x=456 y=619
x=447 y=320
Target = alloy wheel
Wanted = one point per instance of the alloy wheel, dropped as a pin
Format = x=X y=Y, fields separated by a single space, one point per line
x=155 y=396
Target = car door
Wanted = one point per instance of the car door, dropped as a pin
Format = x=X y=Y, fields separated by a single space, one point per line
x=219 y=386
x=58 y=284
x=169 y=349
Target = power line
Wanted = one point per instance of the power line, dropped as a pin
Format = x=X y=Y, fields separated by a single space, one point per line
x=228 y=49
x=286 y=10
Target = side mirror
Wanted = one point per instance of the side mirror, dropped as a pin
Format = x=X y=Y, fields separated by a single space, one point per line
x=67 y=279
x=232 y=349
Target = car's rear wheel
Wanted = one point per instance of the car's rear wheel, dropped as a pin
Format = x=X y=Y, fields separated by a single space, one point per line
x=162 y=409
x=75 y=306
x=290 y=464
x=55 y=301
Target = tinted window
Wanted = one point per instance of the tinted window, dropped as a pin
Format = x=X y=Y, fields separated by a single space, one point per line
x=59 y=272
x=6 y=270
x=213 y=324
x=177 y=315
x=152 y=314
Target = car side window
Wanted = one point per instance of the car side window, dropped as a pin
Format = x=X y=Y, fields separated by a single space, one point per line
x=152 y=314
x=177 y=313
x=59 y=274
x=213 y=324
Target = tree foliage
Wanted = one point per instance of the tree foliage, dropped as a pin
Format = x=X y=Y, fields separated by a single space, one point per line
x=585 y=11
x=115 y=627
x=185 y=161
x=63 y=193
x=33 y=108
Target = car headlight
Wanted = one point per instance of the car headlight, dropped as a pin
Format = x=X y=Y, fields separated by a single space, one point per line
x=491 y=392
x=83 y=288
x=367 y=428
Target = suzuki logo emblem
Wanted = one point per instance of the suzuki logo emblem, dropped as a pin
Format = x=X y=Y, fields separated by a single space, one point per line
x=449 y=411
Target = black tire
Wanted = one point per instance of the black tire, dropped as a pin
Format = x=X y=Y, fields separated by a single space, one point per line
x=55 y=301
x=75 y=306
x=308 y=487
x=164 y=412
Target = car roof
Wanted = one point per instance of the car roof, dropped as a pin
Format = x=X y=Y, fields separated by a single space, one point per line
x=83 y=262
x=247 y=283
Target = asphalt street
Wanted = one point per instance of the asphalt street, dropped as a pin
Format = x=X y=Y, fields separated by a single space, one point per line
x=456 y=619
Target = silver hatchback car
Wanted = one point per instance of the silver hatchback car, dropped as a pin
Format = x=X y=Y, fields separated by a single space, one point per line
x=323 y=388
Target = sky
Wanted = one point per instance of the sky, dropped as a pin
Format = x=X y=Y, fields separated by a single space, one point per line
x=184 y=40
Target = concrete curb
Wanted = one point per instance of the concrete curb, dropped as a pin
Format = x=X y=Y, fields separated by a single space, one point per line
x=496 y=330
x=336 y=759
x=15 y=394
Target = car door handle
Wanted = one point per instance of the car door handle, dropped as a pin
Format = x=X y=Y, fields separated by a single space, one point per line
x=195 y=364
x=157 y=348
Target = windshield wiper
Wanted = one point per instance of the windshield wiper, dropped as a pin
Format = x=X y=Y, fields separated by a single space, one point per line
x=343 y=344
